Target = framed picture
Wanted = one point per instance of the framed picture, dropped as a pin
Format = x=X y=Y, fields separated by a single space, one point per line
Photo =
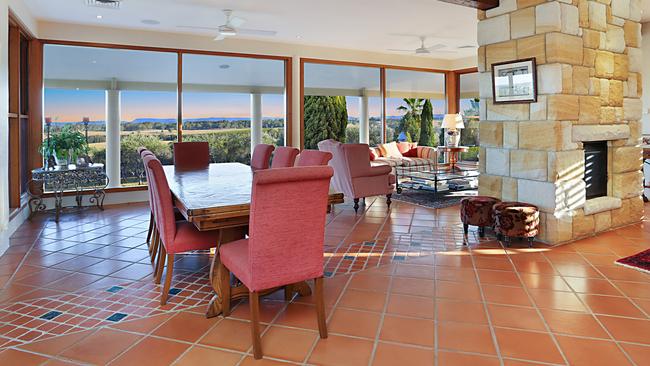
x=514 y=81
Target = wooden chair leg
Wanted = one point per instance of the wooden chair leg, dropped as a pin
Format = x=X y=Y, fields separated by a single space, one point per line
x=224 y=275
x=155 y=244
x=254 y=304
x=150 y=228
x=168 y=279
x=388 y=201
x=160 y=264
x=356 y=205
x=320 y=307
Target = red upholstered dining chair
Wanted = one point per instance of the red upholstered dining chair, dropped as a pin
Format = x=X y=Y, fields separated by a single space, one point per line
x=191 y=155
x=261 y=156
x=313 y=158
x=175 y=236
x=278 y=252
x=284 y=157
x=152 y=239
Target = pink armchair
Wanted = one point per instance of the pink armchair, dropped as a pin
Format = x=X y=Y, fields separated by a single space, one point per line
x=353 y=174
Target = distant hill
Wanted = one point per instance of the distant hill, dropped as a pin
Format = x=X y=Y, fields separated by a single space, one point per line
x=169 y=120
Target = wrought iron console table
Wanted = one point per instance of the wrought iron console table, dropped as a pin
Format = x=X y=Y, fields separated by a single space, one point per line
x=91 y=178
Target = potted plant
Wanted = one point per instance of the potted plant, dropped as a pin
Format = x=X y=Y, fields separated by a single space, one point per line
x=65 y=145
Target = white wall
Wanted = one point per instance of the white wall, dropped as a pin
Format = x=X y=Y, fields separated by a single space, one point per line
x=20 y=11
x=645 y=47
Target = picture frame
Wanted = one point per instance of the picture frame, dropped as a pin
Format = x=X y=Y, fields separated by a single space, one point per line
x=514 y=81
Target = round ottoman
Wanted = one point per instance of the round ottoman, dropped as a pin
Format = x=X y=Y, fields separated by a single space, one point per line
x=477 y=211
x=516 y=219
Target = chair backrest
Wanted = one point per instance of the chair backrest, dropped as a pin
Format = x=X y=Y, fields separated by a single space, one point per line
x=313 y=158
x=144 y=152
x=349 y=161
x=163 y=208
x=284 y=157
x=287 y=225
x=261 y=156
x=191 y=155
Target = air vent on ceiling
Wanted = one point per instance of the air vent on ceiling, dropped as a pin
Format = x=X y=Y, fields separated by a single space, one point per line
x=110 y=4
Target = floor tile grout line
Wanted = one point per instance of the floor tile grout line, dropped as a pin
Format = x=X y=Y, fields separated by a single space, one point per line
x=485 y=309
x=329 y=317
x=373 y=352
x=590 y=311
x=536 y=307
x=622 y=349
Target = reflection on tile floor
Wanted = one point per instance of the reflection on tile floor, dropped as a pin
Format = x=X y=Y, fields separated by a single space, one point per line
x=401 y=289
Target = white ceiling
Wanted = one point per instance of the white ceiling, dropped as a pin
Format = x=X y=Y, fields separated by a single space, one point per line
x=351 y=24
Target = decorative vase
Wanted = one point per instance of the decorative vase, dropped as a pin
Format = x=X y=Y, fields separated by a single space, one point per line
x=453 y=138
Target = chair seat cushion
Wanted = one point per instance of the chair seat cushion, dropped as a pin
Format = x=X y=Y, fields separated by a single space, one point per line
x=234 y=256
x=188 y=237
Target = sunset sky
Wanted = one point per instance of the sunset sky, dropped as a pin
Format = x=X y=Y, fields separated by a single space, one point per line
x=72 y=105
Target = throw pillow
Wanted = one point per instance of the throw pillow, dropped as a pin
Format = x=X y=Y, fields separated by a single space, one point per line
x=372 y=154
x=390 y=150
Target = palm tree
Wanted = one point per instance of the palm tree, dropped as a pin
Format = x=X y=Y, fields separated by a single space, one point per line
x=410 y=122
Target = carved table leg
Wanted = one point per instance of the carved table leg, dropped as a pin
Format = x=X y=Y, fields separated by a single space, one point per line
x=215 y=306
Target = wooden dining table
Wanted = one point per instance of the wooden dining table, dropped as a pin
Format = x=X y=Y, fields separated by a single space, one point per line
x=218 y=197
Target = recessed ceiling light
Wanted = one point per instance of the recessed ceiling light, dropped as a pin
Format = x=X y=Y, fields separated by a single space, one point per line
x=99 y=17
x=299 y=36
x=150 y=21
x=224 y=66
x=93 y=61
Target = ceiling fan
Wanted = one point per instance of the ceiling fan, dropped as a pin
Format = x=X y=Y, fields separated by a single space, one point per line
x=423 y=50
x=232 y=27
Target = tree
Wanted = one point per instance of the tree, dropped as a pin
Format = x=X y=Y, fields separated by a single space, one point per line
x=325 y=118
x=410 y=122
x=427 y=132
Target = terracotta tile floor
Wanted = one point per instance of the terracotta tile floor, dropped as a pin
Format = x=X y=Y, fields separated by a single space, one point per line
x=401 y=289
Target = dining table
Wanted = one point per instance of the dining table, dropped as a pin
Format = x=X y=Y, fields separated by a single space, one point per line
x=218 y=197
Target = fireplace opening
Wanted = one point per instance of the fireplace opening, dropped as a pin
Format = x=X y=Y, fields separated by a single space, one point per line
x=596 y=168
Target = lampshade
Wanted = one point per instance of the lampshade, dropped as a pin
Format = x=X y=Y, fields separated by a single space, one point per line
x=453 y=121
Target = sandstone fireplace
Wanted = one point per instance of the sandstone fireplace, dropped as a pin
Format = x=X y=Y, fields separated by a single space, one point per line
x=589 y=87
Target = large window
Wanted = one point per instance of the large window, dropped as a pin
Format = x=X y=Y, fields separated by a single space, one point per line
x=233 y=103
x=469 y=108
x=337 y=101
x=120 y=99
x=415 y=106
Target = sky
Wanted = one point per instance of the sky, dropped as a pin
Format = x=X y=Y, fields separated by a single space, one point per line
x=64 y=105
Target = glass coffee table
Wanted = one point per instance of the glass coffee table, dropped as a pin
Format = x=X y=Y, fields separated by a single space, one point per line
x=461 y=177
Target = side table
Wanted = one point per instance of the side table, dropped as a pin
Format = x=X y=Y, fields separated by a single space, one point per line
x=91 y=178
x=454 y=155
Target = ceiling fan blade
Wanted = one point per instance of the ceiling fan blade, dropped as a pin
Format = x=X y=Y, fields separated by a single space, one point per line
x=220 y=37
x=237 y=21
x=435 y=47
x=196 y=27
x=256 y=32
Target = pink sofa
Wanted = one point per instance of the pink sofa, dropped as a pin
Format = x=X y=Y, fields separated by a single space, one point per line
x=353 y=174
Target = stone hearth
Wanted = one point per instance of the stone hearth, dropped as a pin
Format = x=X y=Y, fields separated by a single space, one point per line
x=589 y=88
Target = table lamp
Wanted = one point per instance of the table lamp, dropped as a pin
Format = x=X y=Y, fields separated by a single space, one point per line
x=452 y=123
